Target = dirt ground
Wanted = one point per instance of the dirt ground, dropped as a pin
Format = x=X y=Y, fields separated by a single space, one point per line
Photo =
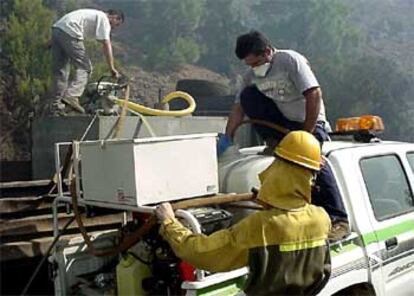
x=146 y=86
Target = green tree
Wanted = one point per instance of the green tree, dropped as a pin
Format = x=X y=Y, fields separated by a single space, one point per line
x=376 y=85
x=169 y=32
x=95 y=53
x=25 y=60
x=355 y=79
x=222 y=22
x=319 y=29
x=26 y=36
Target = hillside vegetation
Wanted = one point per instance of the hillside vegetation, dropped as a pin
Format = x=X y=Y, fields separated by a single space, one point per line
x=361 y=51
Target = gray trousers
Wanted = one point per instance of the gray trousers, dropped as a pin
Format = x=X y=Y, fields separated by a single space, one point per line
x=67 y=51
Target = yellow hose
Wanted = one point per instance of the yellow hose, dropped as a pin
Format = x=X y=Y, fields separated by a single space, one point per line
x=171 y=96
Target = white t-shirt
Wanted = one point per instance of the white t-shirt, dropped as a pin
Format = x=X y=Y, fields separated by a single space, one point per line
x=89 y=23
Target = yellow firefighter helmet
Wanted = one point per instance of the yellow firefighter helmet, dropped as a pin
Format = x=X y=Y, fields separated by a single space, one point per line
x=301 y=148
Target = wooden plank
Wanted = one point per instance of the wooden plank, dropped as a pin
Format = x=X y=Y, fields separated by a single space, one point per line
x=23 y=204
x=33 y=248
x=20 y=184
x=11 y=230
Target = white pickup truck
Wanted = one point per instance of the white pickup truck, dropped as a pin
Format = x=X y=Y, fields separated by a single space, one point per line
x=377 y=184
x=376 y=180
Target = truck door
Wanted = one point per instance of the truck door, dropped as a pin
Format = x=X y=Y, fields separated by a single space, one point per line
x=387 y=183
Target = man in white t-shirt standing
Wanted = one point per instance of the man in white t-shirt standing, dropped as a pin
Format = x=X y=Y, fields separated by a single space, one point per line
x=68 y=34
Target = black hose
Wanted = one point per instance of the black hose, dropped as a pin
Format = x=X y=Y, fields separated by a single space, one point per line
x=24 y=292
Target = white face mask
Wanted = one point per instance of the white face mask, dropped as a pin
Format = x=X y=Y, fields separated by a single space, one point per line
x=261 y=71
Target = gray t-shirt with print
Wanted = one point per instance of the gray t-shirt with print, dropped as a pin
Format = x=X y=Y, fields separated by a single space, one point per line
x=289 y=76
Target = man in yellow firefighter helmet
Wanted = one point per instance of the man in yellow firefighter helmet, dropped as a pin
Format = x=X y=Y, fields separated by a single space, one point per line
x=284 y=245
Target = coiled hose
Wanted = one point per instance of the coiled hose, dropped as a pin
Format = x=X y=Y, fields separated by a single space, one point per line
x=171 y=96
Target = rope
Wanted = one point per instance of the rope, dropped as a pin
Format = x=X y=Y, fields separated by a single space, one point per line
x=126 y=243
x=34 y=274
x=66 y=164
x=124 y=109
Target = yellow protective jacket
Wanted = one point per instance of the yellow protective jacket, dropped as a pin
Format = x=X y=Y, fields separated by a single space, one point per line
x=284 y=246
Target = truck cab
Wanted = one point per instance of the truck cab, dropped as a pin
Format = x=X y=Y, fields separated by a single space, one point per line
x=376 y=181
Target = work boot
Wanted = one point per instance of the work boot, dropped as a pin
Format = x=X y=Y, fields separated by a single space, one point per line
x=73 y=102
x=340 y=229
x=57 y=108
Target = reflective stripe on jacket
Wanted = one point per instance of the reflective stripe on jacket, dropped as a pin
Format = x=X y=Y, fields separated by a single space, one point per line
x=285 y=250
x=284 y=246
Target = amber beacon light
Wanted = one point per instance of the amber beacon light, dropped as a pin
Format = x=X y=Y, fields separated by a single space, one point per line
x=361 y=123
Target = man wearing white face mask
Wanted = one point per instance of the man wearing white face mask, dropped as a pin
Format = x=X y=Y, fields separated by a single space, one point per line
x=280 y=87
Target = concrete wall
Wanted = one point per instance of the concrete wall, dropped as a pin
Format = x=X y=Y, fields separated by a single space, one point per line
x=48 y=131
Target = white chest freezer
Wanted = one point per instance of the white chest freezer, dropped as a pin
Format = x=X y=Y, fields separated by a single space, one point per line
x=139 y=172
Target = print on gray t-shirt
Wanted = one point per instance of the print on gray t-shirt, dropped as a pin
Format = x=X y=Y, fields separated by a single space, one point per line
x=289 y=76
